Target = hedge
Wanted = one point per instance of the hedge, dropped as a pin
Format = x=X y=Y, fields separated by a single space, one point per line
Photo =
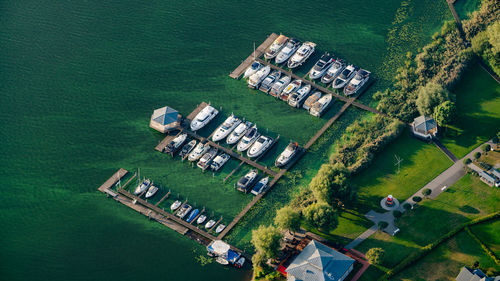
x=485 y=248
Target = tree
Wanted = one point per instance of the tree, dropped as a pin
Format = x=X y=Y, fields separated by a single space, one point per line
x=477 y=155
x=467 y=161
x=486 y=147
x=266 y=240
x=444 y=113
x=375 y=255
x=321 y=215
x=330 y=185
x=287 y=218
x=429 y=96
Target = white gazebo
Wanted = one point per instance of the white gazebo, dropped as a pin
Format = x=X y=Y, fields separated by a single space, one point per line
x=165 y=119
x=424 y=127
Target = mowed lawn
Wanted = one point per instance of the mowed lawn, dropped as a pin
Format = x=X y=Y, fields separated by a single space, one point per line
x=478 y=108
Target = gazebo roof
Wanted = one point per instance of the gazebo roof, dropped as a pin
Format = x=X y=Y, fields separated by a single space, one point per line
x=424 y=123
x=165 y=115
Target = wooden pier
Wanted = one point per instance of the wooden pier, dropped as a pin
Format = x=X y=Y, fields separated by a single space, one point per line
x=256 y=54
x=195 y=112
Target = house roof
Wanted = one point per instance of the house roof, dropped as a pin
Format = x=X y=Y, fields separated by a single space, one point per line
x=318 y=262
x=468 y=274
x=424 y=123
x=165 y=115
x=496 y=173
x=487 y=176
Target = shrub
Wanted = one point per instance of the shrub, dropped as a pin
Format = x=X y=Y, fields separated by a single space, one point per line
x=467 y=161
x=382 y=224
x=321 y=215
x=427 y=192
x=477 y=155
x=375 y=255
x=417 y=198
x=486 y=147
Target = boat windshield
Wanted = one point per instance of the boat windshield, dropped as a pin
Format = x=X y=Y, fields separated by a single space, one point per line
x=261 y=140
x=203 y=118
x=255 y=65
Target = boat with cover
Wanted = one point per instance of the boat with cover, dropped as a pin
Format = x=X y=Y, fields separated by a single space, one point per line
x=321 y=66
x=209 y=224
x=284 y=158
x=238 y=132
x=257 y=77
x=220 y=228
x=187 y=148
x=240 y=262
x=219 y=161
x=151 y=191
x=254 y=67
x=175 y=205
x=334 y=70
x=193 y=215
x=184 y=210
x=199 y=150
x=345 y=76
x=207 y=158
x=260 y=186
x=302 y=54
x=275 y=47
x=311 y=100
x=356 y=83
x=279 y=86
x=268 y=82
x=291 y=46
x=259 y=146
x=201 y=219
x=203 y=117
x=248 y=139
x=226 y=128
x=173 y=145
x=143 y=186
x=290 y=88
x=247 y=181
x=321 y=105
x=298 y=97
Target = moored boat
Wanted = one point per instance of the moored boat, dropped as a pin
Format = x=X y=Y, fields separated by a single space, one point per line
x=345 y=76
x=207 y=158
x=254 y=67
x=279 y=86
x=321 y=105
x=260 y=186
x=142 y=187
x=332 y=72
x=199 y=150
x=238 y=132
x=221 y=260
x=321 y=66
x=175 y=205
x=192 y=215
x=201 y=219
x=220 y=228
x=203 y=117
x=209 y=224
x=259 y=146
x=291 y=46
x=275 y=47
x=226 y=128
x=257 y=77
x=302 y=54
x=311 y=100
x=357 y=83
x=247 y=181
x=296 y=99
x=186 y=149
x=248 y=139
x=219 y=161
x=290 y=88
x=151 y=191
x=290 y=151
x=173 y=145
x=184 y=210
x=240 y=262
x=268 y=82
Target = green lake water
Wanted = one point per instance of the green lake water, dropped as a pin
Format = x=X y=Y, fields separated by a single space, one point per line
x=79 y=81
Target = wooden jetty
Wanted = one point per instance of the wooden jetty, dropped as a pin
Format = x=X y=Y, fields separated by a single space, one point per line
x=161 y=146
x=256 y=54
x=195 y=112
x=163 y=198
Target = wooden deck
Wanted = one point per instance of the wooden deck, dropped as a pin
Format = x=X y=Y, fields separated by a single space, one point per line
x=112 y=180
x=195 y=112
x=256 y=54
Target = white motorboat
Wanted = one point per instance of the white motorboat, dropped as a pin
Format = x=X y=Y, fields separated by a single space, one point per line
x=221 y=260
x=332 y=72
x=240 y=262
x=226 y=128
x=321 y=66
x=220 y=228
x=207 y=158
x=345 y=76
x=321 y=105
x=268 y=82
x=173 y=145
x=184 y=210
x=311 y=100
x=142 y=187
x=201 y=219
x=356 y=83
x=186 y=149
x=257 y=77
x=209 y=224
x=290 y=88
x=203 y=117
x=291 y=46
x=279 y=86
x=259 y=146
x=296 y=99
x=284 y=158
x=175 y=205
x=252 y=69
x=151 y=191
x=248 y=139
x=260 y=186
x=247 y=181
x=198 y=151
x=238 y=132
x=302 y=54
x=275 y=47
x=219 y=161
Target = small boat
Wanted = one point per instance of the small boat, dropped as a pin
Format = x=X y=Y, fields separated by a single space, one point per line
x=296 y=99
x=207 y=158
x=203 y=117
x=345 y=76
x=287 y=154
x=173 y=145
x=321 y=66
x=292 y=87
x=359 y=80
x=248 y=139
x=209 y=224
x=321 y=105
x=302 y=54
x=184 y=210
x=219 y=161
x=220 y=228
x=238 y=132
x=221 y=260
x=259 y=146
x=252 y=69
x=151 y=191
x=226 y=128
x=311 y=100
x=142 y=187
x=247 y=181
x=332 y=72
x=239 y=263
x=268 y=82
x=279 y=86
x=186 y=149
x=193 y=215
x=175 y=205
x=201 y=219
x=198 y=151
x=291 y=46
x=260 y=186
x=257 y=77
x=276 y=47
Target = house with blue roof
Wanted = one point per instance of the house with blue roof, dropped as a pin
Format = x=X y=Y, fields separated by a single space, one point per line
x=165 y=119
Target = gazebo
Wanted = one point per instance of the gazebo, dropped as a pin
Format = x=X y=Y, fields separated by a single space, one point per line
x=165 y=119
x=424 y=127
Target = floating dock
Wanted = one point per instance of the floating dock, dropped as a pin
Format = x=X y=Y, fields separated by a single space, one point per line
x=238 y=71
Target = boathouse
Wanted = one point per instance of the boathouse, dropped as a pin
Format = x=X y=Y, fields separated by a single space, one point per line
x=424 y=127
x=165 y=119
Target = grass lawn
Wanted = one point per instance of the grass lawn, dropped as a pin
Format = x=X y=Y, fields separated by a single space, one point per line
x=488 y=233
x=492 y=158
x=478 y=107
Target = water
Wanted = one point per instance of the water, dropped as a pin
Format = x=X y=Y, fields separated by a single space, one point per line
x=78 y=82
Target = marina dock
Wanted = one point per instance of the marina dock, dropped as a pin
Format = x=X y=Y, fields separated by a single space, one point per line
x=238 y=71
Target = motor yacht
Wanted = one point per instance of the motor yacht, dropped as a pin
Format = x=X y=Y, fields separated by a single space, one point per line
x=186 y=149
x=173 y=145
x=247 y=181
x=284 y=158
x=257 y=77
x=219 y=161
x=268 y=82
x=142 y=187
x=151 y=191
x=356 y=83
x=302 y=54
x=332 y=72
x=345 y=76
x=279 y=86
x=248 y=139
x=259 y=146
x=238 y=132
x=296 y=99
x=175 y=205
x=321 y=66
x=254 y=67
x=207 y=158
x=203 y=117
x=276 y=47
x=321 y=105
x=226 y=128
x=290 y=88
x=260 y=186
x=184 y=210
x=291 y=46
x=311 y=100
x=199 y=150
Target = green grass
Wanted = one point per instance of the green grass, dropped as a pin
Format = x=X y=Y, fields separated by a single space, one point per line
x=465 y=7
x=488 y=233
x=478 y=108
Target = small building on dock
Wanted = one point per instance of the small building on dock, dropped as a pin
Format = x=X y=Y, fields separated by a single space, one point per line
x=165 y=119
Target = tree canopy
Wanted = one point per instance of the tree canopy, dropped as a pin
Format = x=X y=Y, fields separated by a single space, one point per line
x=266 y=240
x=430 y=96
x=287 y=218
x=375 y=255
x=330 y=185
x=321 y=215
x=445 y=113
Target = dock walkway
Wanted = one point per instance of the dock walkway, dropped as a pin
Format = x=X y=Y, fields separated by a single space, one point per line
x=238 y=71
